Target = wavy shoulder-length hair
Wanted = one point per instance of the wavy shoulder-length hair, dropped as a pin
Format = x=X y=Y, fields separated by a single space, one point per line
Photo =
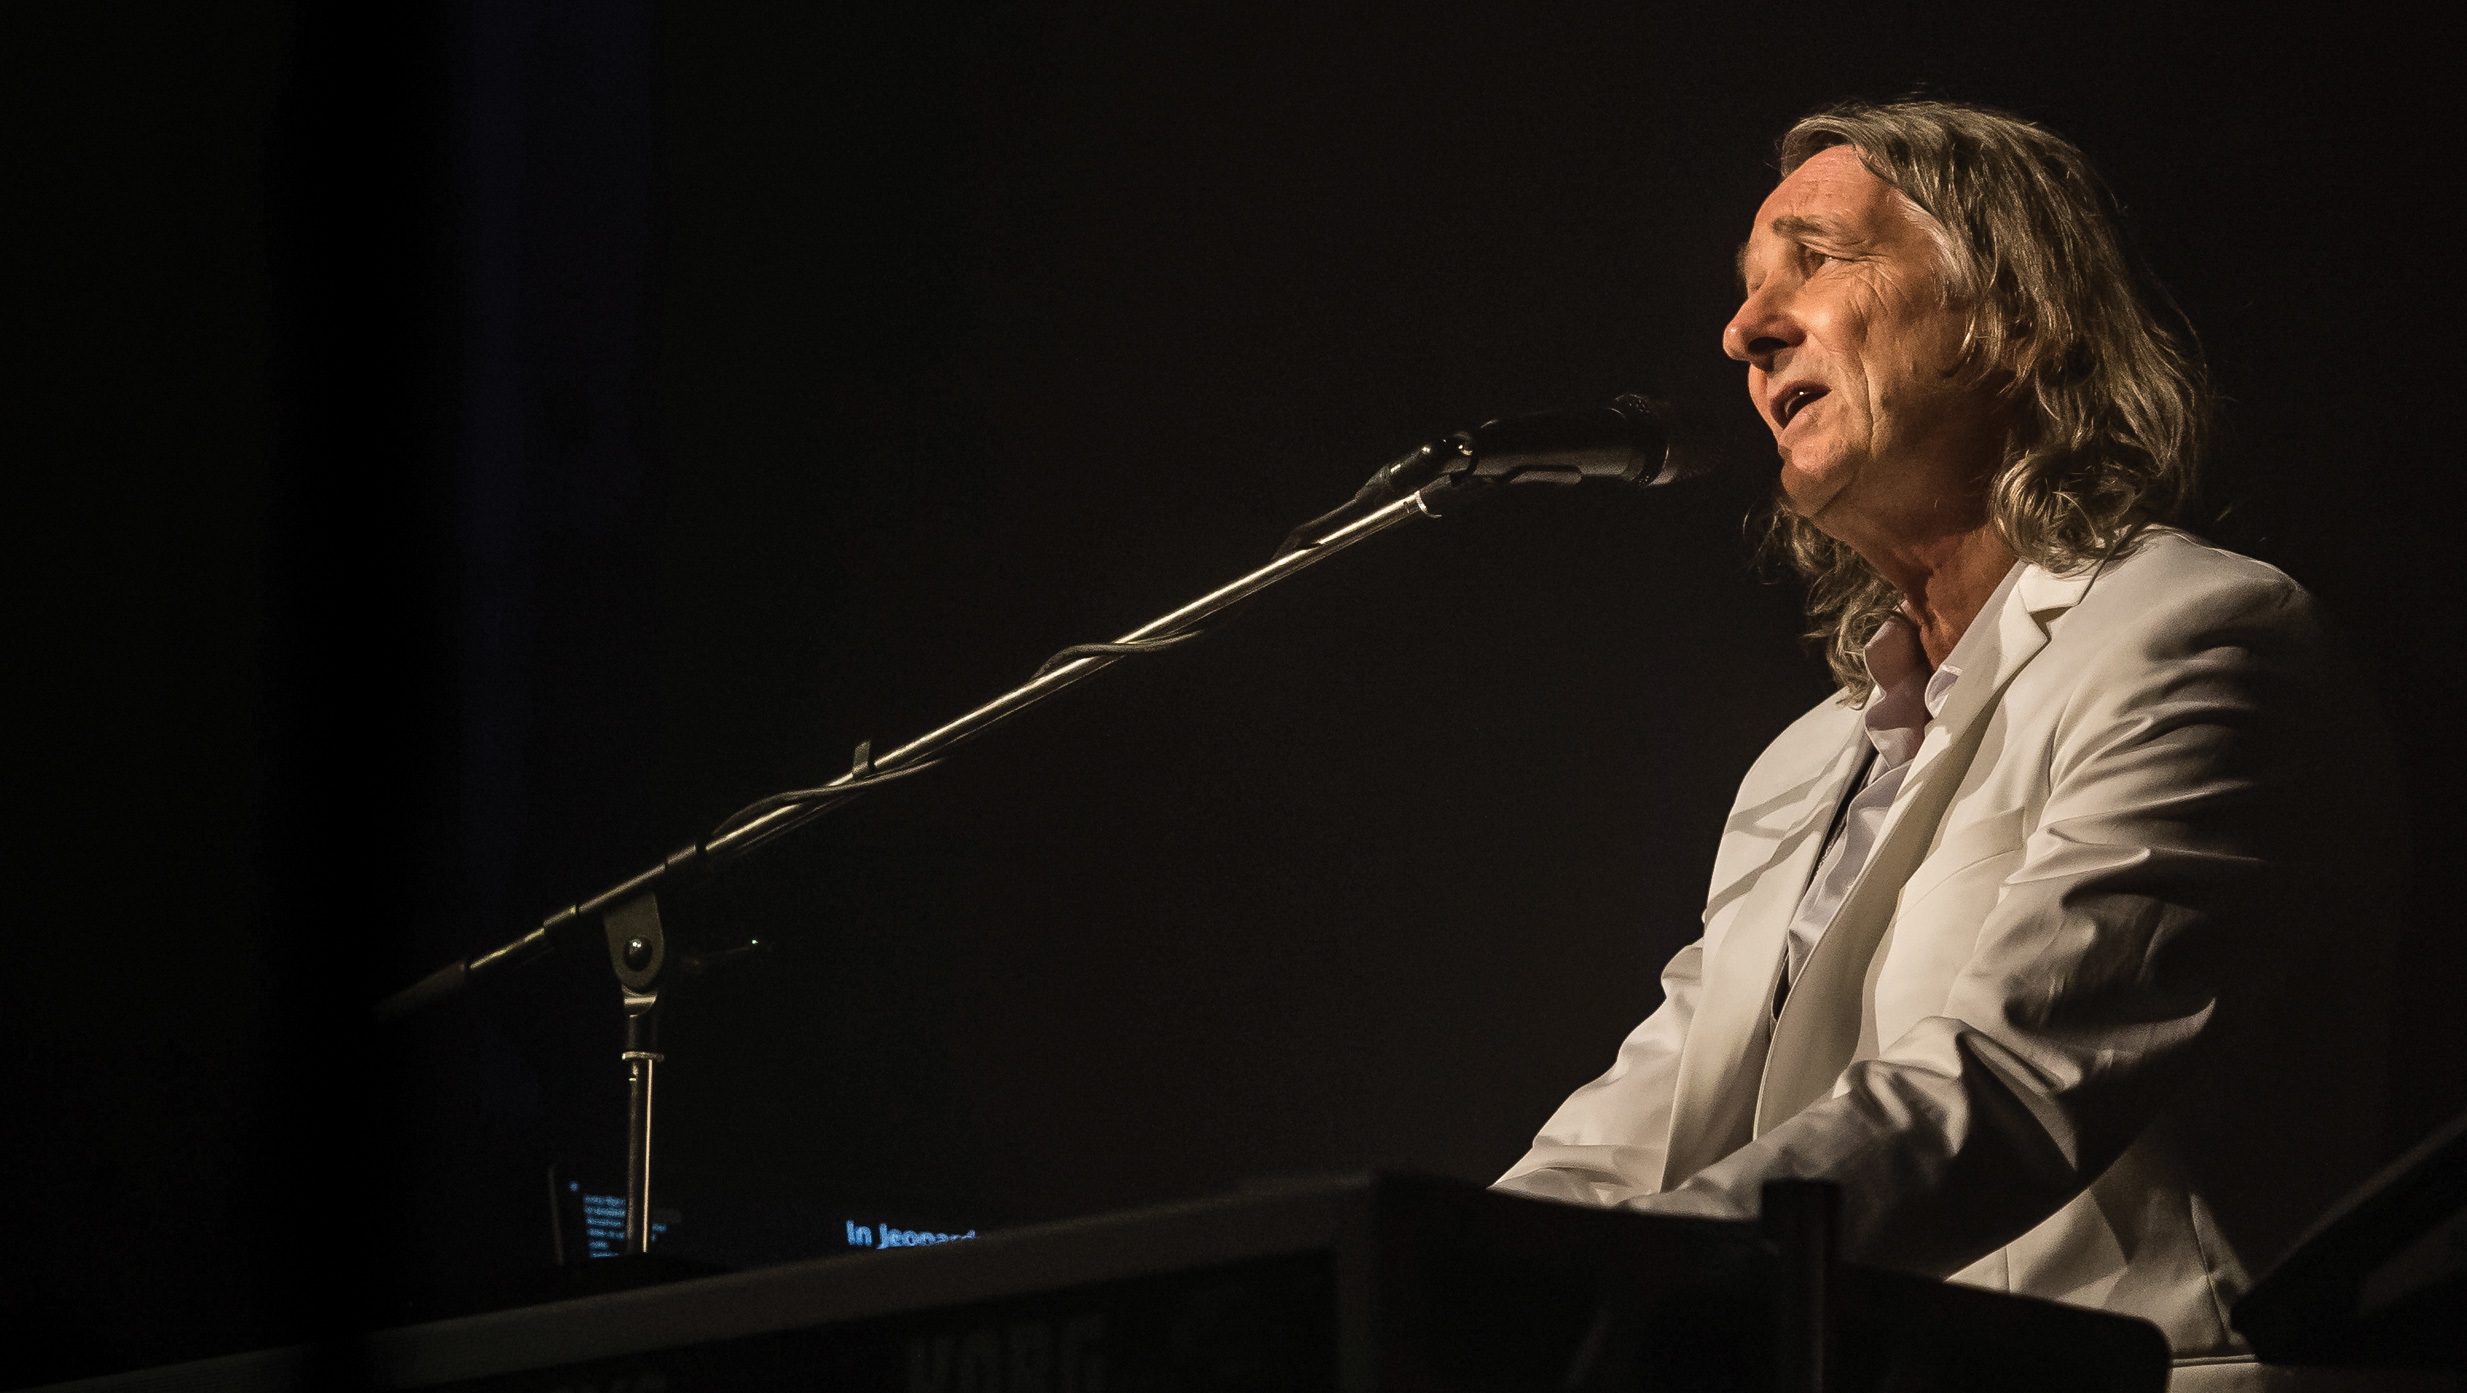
x=2111 y=401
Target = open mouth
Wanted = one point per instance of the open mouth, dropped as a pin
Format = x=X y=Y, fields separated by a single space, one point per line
x=1793 y=401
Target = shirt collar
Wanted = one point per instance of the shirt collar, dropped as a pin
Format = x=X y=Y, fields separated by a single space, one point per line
x=1908 y=696
x=1905 y=693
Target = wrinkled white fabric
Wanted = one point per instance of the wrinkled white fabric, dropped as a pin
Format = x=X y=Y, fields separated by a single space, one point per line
x=2102 y=1018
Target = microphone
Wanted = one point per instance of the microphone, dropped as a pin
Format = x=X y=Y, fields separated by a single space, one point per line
x=1636 y=440
x=1630 y=441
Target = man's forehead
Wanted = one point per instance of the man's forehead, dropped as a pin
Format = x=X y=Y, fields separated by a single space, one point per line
x=1832 y=177
x=1832 y=198
x=1833 y=193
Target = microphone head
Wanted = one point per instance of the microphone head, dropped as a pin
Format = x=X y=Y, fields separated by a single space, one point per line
x=1635 y=439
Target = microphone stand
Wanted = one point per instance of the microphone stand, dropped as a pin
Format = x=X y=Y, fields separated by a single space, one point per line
x=628 y=913
x=1628 y=441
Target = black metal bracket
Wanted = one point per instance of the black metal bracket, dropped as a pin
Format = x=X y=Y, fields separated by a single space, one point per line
x=638 y=952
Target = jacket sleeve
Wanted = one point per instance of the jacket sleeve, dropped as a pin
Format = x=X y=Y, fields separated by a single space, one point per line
x=1604 y=1145
x=2153 y=908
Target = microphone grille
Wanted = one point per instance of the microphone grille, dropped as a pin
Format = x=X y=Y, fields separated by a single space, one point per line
x=1678 y=433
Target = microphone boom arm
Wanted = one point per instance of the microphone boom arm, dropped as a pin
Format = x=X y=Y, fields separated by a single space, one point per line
x=1630 y=440
x=760 y=823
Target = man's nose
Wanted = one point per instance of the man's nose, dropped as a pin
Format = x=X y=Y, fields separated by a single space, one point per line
x=1762 y=328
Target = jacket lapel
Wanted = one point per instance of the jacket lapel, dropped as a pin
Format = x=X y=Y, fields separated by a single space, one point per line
x=1712 y=1109
x=1818 y=1033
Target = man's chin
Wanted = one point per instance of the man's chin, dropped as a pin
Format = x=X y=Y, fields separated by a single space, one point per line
x=1801 y=495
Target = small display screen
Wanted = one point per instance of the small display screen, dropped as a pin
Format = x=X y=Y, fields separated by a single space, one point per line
x=730 y=1226
x=598 y=1220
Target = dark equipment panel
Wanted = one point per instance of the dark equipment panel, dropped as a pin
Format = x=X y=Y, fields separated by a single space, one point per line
x=1349 y=1285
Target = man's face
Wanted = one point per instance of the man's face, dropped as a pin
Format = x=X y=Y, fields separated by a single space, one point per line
x=1851 y=352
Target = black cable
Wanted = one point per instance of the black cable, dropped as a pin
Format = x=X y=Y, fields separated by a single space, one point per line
x=866 y=776
x=1078 y=651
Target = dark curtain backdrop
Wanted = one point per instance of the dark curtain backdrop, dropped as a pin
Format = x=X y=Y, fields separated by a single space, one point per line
x=467 y=450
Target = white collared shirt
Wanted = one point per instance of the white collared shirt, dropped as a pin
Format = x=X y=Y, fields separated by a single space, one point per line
x=1907 y=697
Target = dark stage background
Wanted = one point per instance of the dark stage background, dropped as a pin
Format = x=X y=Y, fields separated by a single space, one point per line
x=460 y=454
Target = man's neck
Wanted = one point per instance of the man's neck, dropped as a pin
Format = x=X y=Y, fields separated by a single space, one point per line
x=1945 y=580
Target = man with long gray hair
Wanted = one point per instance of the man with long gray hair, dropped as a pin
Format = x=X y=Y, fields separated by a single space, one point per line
x=2055 y=937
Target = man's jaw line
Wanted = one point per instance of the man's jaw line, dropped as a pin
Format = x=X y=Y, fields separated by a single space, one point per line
x=1905 y=550
x=1833 y=494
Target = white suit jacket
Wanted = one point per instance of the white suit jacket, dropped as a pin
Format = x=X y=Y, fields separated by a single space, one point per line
x=2102 y=1020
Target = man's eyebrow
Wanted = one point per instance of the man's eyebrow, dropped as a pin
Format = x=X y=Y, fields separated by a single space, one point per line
x=1795 y=225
